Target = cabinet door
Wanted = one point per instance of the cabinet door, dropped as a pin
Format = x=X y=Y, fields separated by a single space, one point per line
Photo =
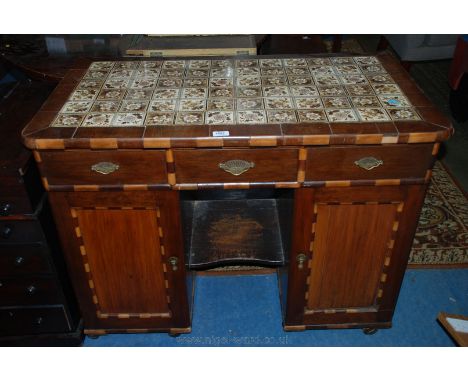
x=120 y=248
x=356 y=243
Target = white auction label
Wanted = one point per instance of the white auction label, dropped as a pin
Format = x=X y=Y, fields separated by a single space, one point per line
x=220 y=133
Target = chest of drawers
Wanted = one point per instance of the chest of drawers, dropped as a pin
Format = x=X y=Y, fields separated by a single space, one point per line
x=316 y=166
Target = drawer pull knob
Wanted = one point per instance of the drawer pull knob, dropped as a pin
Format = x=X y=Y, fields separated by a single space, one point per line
x=105 y=168
x=236 y=166
x=6 y=232
x=173 y=261
x=5 y=209
x=31 y=289
x=368 y=163
x=301 y=259
x=19 y=261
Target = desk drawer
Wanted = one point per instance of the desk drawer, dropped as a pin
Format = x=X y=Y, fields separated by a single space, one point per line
x=20 y=231
x=16 y=321
x=127 y=167
x=206 y=166
x=394 y=162
x=29 y=291
x=23 y=260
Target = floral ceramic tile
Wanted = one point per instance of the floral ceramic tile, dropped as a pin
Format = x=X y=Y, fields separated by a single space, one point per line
x=372 y=114
x=271 y=63
x=194 y=93
x=246 y=63
x=121 y=73
x=126 y=65
x=275 y=91
x=318 y=61
x=131 y=106
x=221 y=92
x=311 y=116
x=272 y=72
x=171 y=73
x=96 y=74
x=380 y=78
x=76 y=107
x=368 y=60
x=199 y=64
x=359 y=90
x=159 y=118
x=147 y=72
x=403 y=114
x=336 y=102
x=278 y=103
x=101 y=65
x=273 y=81
x=144 y=83
x=326 y=79
x=386 y=89
x=322 y=70
x=304 y=91
x=150 y=64
x=354 y=79
x=342 y=60
x=298 y=71
x=348 y=69
x=365 y=101
x=334 y=90
x=68 y=120
x=84 y=95
x=375 y=68
x=219 y=117
x=166 y=93
x=308 y=103
x=222 y=72
x=192 y=105
x=116 y=83
x=128 y=119
x=221 y=64
x=248 y=81
x=221 y=82
x=198 y=73
x=190 y=118
x=248 y=71
x=169 y=82
x=249 y=103
x=248 y=92
x=111 y=94
x=300 y=80
x=98 y=120
x=139 y=94
x=90 y=84
x=301 y=62
x=105 y=106
x=341 y=115
x=251 y=116
x=162 y=105
x=281 y=116
x=220 y=104
x=174 y=64
x=196 y=82
x=394 y=101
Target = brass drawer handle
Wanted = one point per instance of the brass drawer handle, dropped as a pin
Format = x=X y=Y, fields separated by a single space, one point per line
x=236 y=166
x=368 y=163
x=105 y=168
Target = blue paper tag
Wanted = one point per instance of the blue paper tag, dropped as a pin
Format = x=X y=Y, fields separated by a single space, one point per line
x=393 y=102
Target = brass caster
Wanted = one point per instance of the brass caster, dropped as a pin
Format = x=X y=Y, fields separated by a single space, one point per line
x=174 y=335
x=369 y=331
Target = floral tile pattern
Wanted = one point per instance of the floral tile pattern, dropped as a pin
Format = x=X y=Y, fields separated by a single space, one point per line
x=235 y=91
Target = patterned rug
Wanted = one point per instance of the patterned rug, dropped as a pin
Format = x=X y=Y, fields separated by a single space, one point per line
x=442 y=236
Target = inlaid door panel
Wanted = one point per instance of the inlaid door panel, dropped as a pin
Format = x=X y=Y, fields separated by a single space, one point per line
x=350 y=249
x=120 y=248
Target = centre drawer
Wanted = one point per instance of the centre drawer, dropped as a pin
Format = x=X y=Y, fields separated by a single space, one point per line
x=236 y=166
x=368 y=163
x=29 y=291
x=105 y=167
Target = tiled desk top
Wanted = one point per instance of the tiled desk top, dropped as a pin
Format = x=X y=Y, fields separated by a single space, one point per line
x=300 y=91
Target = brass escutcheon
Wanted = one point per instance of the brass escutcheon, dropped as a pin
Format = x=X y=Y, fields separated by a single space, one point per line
x=368 y=163
x=105 y=168
x=236 y=166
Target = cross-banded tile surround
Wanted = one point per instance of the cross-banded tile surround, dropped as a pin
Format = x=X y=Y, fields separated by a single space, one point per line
x=235 y=91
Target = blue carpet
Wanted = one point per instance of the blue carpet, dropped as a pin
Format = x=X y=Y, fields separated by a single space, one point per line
x=245 y=311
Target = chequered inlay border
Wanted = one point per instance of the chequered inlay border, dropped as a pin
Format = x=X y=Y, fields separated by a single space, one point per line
x=386 y=264
x=87 y=268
